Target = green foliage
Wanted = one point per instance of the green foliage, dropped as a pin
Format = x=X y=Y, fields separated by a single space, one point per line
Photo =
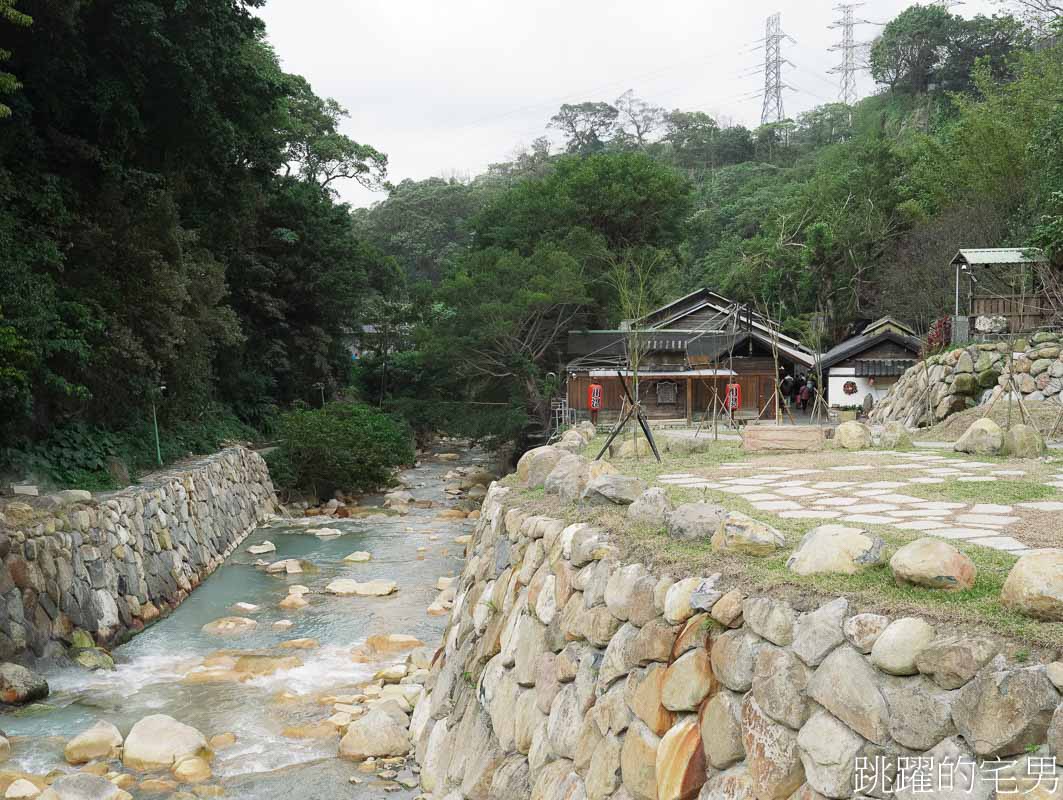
x=152 y=242
x=81 y=456
x=343 y=446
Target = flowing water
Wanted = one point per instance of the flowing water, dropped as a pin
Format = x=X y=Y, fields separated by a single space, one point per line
x=264 y=762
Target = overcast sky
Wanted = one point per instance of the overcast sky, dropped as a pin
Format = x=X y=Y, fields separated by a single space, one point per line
x=445 y=87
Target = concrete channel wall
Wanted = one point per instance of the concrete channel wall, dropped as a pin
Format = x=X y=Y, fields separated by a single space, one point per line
x=111 y=564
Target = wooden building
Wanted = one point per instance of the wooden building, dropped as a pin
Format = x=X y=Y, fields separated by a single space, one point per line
x=688 y=351
x=869 y=363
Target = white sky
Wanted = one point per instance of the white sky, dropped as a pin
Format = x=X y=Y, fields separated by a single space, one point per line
x=446 y=87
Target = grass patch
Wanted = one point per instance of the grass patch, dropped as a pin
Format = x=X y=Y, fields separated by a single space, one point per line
x=1003 y=492
x=871 y=590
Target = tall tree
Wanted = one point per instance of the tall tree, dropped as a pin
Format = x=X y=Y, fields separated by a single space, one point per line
x=637 y=120
x=587 y=126
x=8 y=82
x=913 y=45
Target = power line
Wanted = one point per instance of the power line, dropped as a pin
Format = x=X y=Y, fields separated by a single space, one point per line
x=772 y=109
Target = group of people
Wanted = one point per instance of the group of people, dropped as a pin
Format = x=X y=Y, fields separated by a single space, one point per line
x=798 y=392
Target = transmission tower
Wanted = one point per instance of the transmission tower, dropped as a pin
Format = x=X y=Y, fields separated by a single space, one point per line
x=849 y=47
x=773 y=61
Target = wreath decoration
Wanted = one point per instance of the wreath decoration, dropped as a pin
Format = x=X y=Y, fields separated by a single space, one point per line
x=849 y=387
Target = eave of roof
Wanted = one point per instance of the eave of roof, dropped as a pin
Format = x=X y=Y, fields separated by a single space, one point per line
x=858 y=344
x=987 y=256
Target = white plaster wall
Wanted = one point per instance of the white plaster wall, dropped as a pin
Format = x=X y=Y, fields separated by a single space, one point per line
x=839 y=377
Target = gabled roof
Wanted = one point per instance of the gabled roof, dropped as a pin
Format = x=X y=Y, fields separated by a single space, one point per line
x=669 y=315
x=988 y=256
x=887 y=322
x=855 y=345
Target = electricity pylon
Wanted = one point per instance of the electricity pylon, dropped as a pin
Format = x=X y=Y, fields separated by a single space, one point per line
x=773 y=61
x=848 y=47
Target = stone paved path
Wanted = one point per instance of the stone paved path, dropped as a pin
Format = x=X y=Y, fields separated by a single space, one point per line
x=845 y=494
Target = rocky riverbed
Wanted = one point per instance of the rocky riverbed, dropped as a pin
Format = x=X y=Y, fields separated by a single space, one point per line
x=316 y=631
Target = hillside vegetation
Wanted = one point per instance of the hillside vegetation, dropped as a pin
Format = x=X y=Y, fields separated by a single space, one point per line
x=172 y=241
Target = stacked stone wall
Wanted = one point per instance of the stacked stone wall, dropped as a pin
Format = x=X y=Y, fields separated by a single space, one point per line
x=566 y=673
x=113 y=563
x=963 y=378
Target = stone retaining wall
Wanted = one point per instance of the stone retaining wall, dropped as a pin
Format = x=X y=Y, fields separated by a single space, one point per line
x=113 y=563
x=565 y=673
x=959 y=379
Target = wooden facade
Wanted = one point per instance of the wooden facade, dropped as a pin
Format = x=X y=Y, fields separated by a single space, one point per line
x=691 y=349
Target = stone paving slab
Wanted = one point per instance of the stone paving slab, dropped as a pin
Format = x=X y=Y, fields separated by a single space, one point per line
x=986 y=519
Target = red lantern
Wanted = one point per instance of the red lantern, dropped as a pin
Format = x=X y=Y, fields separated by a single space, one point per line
x=732 y=397
x=595 y=400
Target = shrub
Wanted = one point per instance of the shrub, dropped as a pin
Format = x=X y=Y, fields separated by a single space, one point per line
x=343 y=446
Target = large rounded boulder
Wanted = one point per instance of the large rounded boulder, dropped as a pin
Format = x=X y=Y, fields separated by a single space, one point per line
x=983 y=438
x=1034 y=586
x=159 y=741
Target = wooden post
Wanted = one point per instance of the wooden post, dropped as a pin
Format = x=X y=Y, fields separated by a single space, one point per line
x=690 y=400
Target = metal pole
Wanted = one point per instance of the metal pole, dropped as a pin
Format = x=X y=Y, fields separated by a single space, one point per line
x=957 y=290
x=155 y=423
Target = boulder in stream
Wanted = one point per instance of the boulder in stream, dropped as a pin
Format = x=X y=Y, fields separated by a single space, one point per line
x=345 y=587
x=83 y=786
x=101 y=741
x=19 y=685
x=159 y=741
x=230 y=626
x=376 y=735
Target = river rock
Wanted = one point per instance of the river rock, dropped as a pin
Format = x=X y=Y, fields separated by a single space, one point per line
x=19 y=685
x=984 y=437
x=1034 y=586
x=263 y=548
x=695 y=520
x=836 y=549
x=779 y=682
x=194 y=769
x=21 y=789
x=895 y=436
x=770 y=619
x=850 y=689
x=818 y=632
x=934 y=564
x=896 y=649
x=863 y=630
x=721 y=729
x=159 y=741
x=1001 y=712
x=952 y=661
x=230 y=626
x=688 y=681
x=638 y=761
x=920 y=712
x=829 y=754
x=83 y=786
x=733 y=784
x=733 y=657
x=375 y=735
x=853 y=436
x=651 y=508
x=771 y=752
x=358 y=557
x=963 y=779
x=603 y=771
x=345 y=587
x=1023 y=441
x=536 y=464
x=679 y=600
x=740 y=533
x=680 y=765
x=613 y=490
x=101 y=741
x=643 y=694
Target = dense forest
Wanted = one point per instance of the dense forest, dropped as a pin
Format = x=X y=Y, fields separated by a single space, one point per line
x=172 y=245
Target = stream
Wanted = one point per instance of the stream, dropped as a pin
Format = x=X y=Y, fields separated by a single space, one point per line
x=267 y=760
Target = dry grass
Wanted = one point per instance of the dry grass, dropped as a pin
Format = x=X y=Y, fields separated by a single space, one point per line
x=872 y=590
x=1044 y=415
